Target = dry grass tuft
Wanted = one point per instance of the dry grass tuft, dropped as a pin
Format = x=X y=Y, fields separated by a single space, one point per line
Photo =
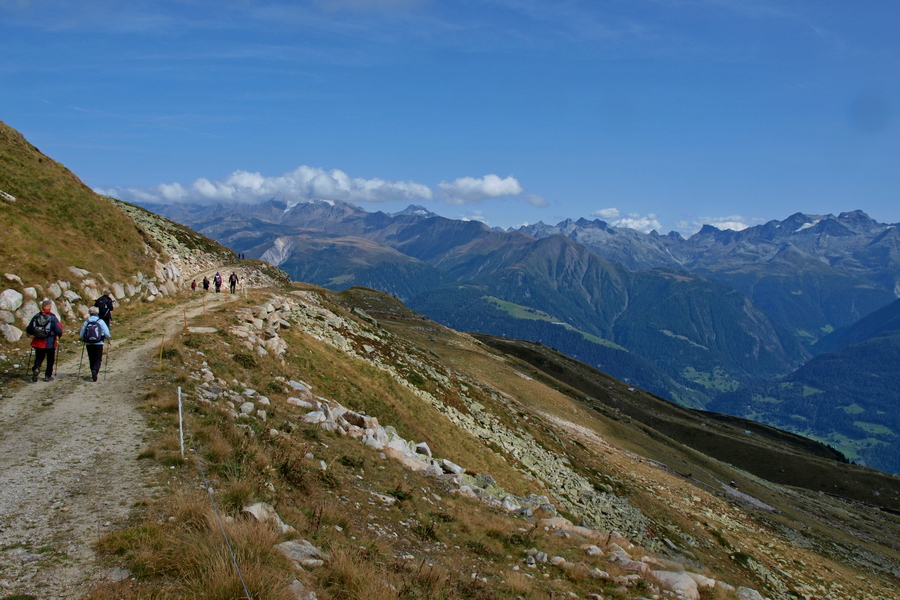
x=349 y=575
x=235 y=495
x=520 y=584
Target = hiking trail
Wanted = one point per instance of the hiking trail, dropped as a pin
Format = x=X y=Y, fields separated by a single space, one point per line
x=68 y=459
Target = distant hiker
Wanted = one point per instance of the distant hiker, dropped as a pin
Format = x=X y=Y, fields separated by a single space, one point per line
x=205 y=284
x=105 y=305
x=217 y=281
x=93 y=332
x=232 y=281
x=46 y=329
x=194 y=285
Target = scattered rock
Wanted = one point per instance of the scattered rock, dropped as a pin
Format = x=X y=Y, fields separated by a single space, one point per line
x=302 y=553
x=264 y=513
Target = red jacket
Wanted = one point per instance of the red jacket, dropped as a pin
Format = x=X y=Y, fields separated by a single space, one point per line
x=50 y=342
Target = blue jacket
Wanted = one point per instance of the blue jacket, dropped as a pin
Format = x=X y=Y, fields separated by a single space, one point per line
x=103 y=328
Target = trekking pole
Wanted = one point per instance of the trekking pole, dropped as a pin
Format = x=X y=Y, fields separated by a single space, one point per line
x=108 y=354
x=80 y=360
x=58 y=351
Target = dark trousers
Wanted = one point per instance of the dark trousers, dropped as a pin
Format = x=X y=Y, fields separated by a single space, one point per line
x=95 y=356
x=232 y=286
x=39 y=354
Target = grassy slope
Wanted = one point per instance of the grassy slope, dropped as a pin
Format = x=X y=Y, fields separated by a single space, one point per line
x=811 y=542
x=57 y=221
x=764 y=451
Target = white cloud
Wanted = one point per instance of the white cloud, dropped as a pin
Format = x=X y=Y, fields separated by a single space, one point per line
x=312 y=183
x=535 y=200
x=690 y=226
x=644 y=224
x=471 y=190
x=606 y=213
x=474 y=215
x=304 y=183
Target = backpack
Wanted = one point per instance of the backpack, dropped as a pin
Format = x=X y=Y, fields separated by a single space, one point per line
x=217 y=279
x=93 y=333
x=105 y=306
x=41 y=326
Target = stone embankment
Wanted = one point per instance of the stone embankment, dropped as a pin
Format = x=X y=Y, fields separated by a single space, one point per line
x=72 y=297
x=259 y=331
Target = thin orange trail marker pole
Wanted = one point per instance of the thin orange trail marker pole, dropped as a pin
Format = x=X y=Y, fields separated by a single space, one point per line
x=185 y=319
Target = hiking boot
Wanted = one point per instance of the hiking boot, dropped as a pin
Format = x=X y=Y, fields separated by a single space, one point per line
x=94 y=375
x=48 y=378
x=34 y=375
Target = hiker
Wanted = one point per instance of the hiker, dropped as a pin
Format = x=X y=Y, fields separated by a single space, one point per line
x=217 y=281
x=105 y=306
x=194 y=285
x=232 y=281
x=93 y=332
x=205 y=284
x=46 y=329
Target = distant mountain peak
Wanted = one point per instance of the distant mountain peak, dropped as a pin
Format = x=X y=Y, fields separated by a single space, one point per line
x=415 y=210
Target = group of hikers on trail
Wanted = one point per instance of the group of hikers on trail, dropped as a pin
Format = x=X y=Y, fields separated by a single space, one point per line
x=46 y=329
x=217 y=282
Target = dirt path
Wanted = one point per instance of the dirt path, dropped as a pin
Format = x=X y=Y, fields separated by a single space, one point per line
x=68 y=464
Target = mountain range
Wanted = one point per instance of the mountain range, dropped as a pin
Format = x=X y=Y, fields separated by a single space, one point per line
x=721 y=312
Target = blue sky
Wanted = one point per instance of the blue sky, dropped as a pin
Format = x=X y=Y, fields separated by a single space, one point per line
x=658 y=114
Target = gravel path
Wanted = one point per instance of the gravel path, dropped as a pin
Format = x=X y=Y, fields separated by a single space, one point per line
x=68 y=466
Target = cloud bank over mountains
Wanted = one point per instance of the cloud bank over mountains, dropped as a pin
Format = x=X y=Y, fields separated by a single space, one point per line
x=686 y=226
x=313 y=183
x=307 y=183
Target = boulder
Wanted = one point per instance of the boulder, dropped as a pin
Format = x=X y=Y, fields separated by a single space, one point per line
x=264 y=513
x=11 y=333
x=745 y=593
x=677 y=582
x=555 y=523
x=302 y=553
x=703 y=582
x=450 y=467
x=194 y=329
x=422 y=448
x=28 y=310
x=10 y=300
x=317 y=416
x=301 y=403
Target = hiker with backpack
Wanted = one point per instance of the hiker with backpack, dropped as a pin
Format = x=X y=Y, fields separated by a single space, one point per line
x=105 y=305
x=217 y=281
x=205 y=284
x=93 y=333
x=232 y=281
x=46 y=329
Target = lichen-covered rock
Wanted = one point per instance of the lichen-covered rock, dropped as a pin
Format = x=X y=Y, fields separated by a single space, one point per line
x=677 y=582
x=11 y=333
x=10 y=300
